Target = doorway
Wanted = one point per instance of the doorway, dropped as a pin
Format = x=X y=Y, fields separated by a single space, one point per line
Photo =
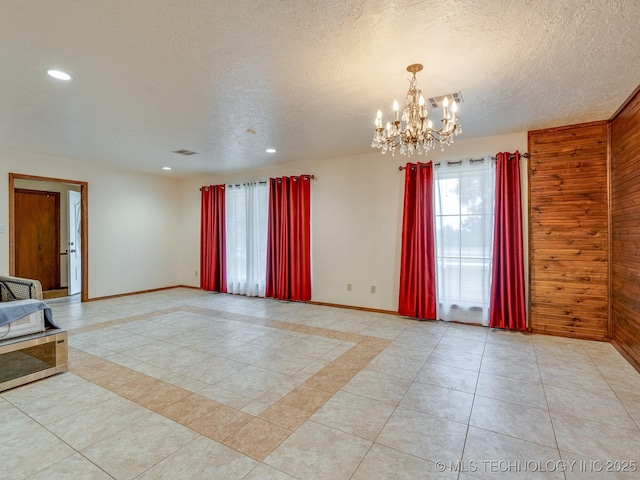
x=37 y=232
x=77 y=244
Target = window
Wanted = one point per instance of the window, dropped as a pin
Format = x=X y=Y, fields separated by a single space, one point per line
x=464 y=212
x=247 y=209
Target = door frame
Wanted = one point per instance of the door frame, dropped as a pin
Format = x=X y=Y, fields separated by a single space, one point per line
x=84 y=227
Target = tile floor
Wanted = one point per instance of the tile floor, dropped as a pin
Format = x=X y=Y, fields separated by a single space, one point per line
x=183 y=384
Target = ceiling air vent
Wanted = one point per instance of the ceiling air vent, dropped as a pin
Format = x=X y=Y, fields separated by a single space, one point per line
x=437 y=101
x=185 y=152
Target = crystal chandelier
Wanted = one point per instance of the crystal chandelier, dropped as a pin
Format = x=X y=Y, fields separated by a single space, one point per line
x=418 y=134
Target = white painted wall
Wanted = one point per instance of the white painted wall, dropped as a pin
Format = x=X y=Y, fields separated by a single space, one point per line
x=144 y=230
x=133 y=222
x=356 y=218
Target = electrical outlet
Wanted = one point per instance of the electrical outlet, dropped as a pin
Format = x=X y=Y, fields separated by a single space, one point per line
x=348 y=287
x=373 y=289
x=196 y=273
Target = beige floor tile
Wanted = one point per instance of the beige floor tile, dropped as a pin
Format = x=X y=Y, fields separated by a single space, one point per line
x=597 y=440
x=30 y=449
x=285 y=415
x=396 y=366
x=279 y=391
x=49 y=408
x=86 y=427
x=386 y=388
x=525 y=423
x=511 y=390
x=306 y=398
x=182 y=381
x=75 y=467
x=190 y=408
x=582 y=468
x=226 y=397
x=587 y=405
x=158 y=397
x=91 y=367
x=221 y=422
x=516 y=352
x=152 y=370
x=15 y=424
x=138 y=447
x=257 y=439
x=251 y=381
x=4 y=405
x=149 y=350
x=266 y=472
x=430 y=438
x=438 y=401
x=583 y=377
x=119 y=376
x=496 y=455
x=130 y=343
x=386 y=463
x=387 y=332
x=354 y=414
x=525 y=371
x=332 y=378
x=467 y=332
x=317 y=452
x=449 y=377
x=255 y=408
x=246 y=353
x=452 y=345
x=593 y=393
x=414 y=352
x=284 y=363
x=464 y=360
x=202 y=458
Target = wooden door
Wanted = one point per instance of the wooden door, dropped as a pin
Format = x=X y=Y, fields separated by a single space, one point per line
x=37 y=224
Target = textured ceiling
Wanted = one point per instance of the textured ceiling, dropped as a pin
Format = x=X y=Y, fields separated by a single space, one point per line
x=153 y=76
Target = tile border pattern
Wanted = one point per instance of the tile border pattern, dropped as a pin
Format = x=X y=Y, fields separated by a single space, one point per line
x=253 y=435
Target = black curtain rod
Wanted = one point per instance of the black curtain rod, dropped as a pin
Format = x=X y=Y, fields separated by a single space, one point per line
x=264 y=182
x=471 y=160
x=312 y=177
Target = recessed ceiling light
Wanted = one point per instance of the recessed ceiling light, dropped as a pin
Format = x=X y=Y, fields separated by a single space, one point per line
x=270 y=150
x=60 y=75
x=166 y=168
x=185 y=152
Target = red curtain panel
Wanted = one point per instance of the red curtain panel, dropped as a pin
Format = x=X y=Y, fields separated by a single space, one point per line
x=289 y=239
x=507 y=305
x=213 y=264
x=417 y=265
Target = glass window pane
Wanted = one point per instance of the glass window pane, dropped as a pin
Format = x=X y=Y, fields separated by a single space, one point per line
x=464 y=200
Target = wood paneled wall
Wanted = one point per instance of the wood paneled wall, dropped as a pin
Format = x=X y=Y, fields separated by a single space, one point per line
x=625 y=229
x=568 y=231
